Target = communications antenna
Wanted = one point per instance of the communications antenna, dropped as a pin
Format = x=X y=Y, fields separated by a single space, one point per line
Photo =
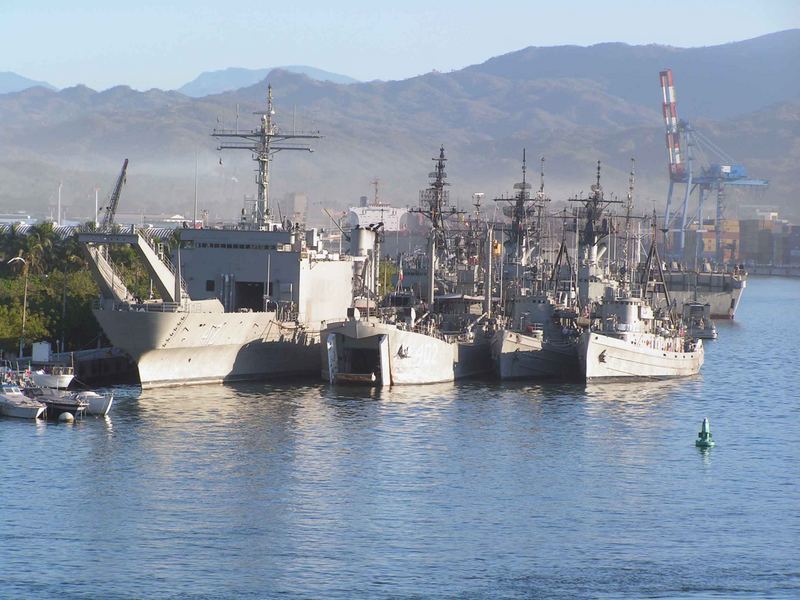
x=264 y=142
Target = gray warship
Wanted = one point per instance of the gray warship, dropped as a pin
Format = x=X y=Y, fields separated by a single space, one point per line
x=632 y=336
x=397 y=345
x=537 y=338
x=240 y=302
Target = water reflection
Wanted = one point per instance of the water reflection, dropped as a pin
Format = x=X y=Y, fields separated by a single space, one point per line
x=705 y=454
x=474 y=489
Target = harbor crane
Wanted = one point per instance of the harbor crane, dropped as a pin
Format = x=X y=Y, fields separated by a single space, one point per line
x=684 y=145
x=113 y=200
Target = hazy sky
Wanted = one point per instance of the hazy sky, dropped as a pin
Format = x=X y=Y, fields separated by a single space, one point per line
x=164 y=44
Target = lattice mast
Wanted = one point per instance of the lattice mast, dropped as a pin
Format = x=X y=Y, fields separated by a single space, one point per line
x=519 y=211
x=523 y=206
x=593 y=206
x=433 y=202
x=435 y=198
x=264 y=142
x=628 y=209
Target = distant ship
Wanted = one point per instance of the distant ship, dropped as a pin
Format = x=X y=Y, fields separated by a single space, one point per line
x=242 y=302
x=721 y=290
x=371 y=213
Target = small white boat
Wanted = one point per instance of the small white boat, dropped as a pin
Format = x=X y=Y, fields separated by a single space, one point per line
x=58 y=377
x=698 y=319
x=97 y=404
x=14 y=404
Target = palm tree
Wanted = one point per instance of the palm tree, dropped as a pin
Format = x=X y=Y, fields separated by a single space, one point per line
x=39 y=244
x=11 y=243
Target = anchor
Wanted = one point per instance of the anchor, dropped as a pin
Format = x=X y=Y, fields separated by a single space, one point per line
x=704 y=437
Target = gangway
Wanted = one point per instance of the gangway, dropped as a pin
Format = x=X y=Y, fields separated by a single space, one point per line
x=165 y=276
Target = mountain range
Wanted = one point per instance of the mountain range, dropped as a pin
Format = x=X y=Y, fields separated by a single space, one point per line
x=574 y=105
x=233 y=78
x=11 y=82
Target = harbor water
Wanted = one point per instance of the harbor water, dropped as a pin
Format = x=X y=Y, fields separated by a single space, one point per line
x=476 y=490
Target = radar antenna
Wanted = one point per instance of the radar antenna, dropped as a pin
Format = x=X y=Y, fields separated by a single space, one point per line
x=264 y=142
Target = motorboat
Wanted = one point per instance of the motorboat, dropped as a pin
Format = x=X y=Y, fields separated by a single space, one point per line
x=697 y=317
x=13 y=403
x=57 y=377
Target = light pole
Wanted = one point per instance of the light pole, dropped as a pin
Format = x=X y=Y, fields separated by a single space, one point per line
x=58 y=219
x=24 y=301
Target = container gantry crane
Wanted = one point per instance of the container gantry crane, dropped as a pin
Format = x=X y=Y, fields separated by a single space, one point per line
x=684 y=144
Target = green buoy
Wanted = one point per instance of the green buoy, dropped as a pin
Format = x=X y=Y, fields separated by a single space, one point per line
x=704 y=437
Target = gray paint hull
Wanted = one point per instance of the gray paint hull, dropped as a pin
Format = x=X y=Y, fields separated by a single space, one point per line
x=606 y=357
x=722 y=291
x=723 y=304
x=516 y=355
x=413 y=358
x=181 y=348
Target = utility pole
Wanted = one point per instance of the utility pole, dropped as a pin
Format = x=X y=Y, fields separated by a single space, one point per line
x=194 y=220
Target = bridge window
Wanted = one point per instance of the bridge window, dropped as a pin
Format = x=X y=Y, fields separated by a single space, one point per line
x=209 y=285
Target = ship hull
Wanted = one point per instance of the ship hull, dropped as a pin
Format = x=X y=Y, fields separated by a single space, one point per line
x=606 y=357
x=722 y=291
x=354 y=349
x=723 y=304
x=22 y=409
x=519 y=356
x=185 y=348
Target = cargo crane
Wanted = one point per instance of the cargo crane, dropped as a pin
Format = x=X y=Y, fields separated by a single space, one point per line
x=113 y=200
x=683 y=143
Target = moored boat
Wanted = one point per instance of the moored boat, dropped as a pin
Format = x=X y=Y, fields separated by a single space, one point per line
x=58 y=401
x=450 y=339
x=56 y=377
x=96 y=404
x=377 y=352
x=697 y=316
x=239 y=302
x=630 y=337
x=13 y=403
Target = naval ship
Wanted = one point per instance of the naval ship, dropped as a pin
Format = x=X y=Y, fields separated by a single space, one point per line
x=631 y=336
x=721 y=290
x=537 y=339
x=240 y=302
x=397 y=345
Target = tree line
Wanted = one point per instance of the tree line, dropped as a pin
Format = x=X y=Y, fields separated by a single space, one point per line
x=60 y=288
